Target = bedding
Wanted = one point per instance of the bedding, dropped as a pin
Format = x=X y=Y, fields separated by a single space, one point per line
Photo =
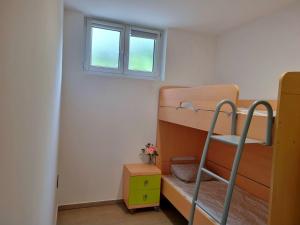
x=256 y=112
x=188 y=172
x=245 y=209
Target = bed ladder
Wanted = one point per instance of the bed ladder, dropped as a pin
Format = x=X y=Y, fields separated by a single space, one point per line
x=233 y=139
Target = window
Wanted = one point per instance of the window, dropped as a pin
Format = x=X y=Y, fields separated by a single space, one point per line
x=105 y=48
x=123 y=50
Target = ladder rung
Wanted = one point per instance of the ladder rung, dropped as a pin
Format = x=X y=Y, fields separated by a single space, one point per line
x=215 y=176
x=200 y=205
x=234 y=139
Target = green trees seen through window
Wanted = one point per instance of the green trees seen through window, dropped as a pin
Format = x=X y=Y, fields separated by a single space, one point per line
x=141 y=54
x=105 y=48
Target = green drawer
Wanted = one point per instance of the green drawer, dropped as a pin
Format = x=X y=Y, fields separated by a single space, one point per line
x=145 y=182
x=144 y=197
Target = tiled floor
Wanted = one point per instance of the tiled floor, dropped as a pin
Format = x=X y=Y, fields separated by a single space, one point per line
x=117 y=214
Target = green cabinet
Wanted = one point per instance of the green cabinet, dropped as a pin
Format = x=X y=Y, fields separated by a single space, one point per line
x=141 y=185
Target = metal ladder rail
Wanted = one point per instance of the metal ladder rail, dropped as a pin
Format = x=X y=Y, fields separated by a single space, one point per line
x=205 y=150
x=238 y=155
x=240 y=149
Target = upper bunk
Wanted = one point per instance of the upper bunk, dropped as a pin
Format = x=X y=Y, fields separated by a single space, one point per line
x=194 y=107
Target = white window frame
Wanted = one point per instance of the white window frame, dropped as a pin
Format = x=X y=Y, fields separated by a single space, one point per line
x=125 y=32
x=156 y=59
x=91 y=23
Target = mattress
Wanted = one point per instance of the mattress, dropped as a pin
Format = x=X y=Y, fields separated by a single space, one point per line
x=256 y=112
x=245 y=209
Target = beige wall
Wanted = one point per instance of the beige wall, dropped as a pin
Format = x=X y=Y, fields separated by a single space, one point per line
x=255 y=55
x=105 y=121
x=30 y=80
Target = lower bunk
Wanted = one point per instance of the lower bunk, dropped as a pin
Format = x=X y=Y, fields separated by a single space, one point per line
x=245 y=208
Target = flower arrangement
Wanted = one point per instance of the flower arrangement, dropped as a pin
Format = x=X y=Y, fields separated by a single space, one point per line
x=151 y=151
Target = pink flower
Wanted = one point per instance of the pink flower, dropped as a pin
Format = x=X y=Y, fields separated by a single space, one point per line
x=151 y=150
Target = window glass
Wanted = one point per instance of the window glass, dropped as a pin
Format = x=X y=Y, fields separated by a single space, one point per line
x=141 y=54
x=115 y=49
x=105 y=48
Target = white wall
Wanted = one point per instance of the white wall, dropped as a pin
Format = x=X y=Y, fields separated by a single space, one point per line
x=257 y=54
x=30 y=83
x=105 y=121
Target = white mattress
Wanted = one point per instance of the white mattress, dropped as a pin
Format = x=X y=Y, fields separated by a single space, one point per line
x=245 y=209
x=256 y=112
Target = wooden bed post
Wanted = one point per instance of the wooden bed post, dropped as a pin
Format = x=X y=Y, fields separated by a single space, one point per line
x=285 y=189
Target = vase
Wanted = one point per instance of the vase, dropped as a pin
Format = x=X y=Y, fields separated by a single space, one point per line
x=152 y=160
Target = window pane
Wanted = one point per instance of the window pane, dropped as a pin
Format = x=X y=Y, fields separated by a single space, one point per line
x=105 y=48
x=141 y=54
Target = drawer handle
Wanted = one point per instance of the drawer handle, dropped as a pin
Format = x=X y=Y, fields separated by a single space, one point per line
x=146 y=182
x=145 y=197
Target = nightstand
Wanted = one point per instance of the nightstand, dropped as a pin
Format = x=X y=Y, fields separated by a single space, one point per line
x=141 y=185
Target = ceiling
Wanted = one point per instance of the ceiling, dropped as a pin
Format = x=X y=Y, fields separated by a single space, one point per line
x=207 y=16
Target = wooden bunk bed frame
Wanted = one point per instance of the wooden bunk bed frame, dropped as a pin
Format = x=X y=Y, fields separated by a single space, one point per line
x=182 y=132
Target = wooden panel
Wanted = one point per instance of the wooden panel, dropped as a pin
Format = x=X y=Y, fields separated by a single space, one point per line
x=89 y=204
x=256 y=161
x=245 y=103
x=254 y=172
x=174 y=141
x=258 y=124
x=243 y=182
x=199 y=120
x=202 y=119
x=211 y=93
x=126 y=178
x=205 y=98
x=142 y=169
x=255 y=168
x=285 y=193
x=257 y=128
x=183 y=205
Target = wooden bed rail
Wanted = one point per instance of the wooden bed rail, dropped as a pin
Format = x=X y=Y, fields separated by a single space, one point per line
x=245 y=103
x=194 y=107
x=200 y=96
x=200 y=103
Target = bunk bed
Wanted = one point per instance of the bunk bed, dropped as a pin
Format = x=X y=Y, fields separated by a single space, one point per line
x=183 y=121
